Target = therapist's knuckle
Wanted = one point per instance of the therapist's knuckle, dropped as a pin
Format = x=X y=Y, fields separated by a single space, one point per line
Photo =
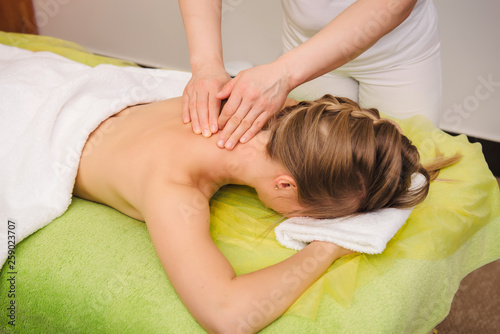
x=201 y=82
x=235 y=120
x=250 y=133
x=255 y=96
x=252 y=94
x=229 y=110
x=267 y=114
x=257 y=125
x=192 y=104
x=246 y=123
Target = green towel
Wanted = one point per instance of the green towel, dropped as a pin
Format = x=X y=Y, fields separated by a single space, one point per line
x=94 y=270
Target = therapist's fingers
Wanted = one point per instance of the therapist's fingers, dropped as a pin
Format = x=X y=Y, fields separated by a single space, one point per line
x=186 y=118
x=240 y=119
x=240 y=130
x=247 y=128
x=199 y=104
x=257 y=125
x=232 y=105
x=202 y=112
x=213 y=113
x=195 y=122
x=226 y=89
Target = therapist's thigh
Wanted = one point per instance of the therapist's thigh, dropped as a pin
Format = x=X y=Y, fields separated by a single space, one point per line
x=406 y=90
x=330 y=83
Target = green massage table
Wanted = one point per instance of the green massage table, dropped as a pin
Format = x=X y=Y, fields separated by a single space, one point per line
x=94 y=270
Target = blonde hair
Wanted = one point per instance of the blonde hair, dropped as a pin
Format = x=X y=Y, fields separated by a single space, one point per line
x=346 y=159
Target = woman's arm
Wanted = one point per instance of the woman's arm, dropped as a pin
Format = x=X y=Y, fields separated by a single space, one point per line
x=202 y=23
x=254 y=95
x=179 y=222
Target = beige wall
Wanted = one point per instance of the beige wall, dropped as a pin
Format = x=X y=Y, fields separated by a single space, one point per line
x=470 y=37
x=150 y=32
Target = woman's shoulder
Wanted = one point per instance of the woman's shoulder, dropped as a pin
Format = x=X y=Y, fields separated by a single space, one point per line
x=174 y=203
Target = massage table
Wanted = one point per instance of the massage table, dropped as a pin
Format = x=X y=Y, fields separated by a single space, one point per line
x=94 y=270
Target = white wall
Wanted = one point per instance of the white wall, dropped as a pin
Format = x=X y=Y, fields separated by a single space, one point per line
x=470 y=37
x=150 y=32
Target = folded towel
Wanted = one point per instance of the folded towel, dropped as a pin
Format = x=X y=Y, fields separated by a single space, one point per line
x=48 y=107
x=364 y=233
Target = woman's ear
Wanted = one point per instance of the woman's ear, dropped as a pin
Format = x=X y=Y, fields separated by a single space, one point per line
x=284 y=182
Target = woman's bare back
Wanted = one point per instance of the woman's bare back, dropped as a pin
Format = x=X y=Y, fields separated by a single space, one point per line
x=137 y=146
x=147 y=164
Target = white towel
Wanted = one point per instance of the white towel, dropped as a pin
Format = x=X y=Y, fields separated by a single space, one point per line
x=365 y=233
x=48 y=107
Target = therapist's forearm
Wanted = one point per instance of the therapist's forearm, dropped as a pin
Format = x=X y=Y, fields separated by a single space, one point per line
x=202 y=22
x=351 y=33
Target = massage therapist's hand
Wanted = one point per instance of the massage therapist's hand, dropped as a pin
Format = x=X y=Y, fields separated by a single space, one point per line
x=199 y=104
x=254 y=95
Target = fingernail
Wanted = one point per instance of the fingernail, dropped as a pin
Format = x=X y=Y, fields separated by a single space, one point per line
x=243 y=140
x=220 y=143
x=214 y=128
x=197 y=130
x=206 y=133
x=229 y=145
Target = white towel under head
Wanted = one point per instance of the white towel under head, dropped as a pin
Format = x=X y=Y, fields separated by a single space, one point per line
x=366 y=233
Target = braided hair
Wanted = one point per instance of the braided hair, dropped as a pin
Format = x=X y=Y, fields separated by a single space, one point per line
x=346 y=159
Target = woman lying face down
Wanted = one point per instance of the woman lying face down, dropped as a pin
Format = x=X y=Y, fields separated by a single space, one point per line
x=327 y=158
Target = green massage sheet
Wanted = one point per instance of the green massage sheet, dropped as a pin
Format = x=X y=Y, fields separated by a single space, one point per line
x=94 y=270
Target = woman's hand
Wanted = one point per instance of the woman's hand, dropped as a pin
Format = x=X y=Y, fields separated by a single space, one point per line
x=254 y=95
x=199 y=104
x=332 y=248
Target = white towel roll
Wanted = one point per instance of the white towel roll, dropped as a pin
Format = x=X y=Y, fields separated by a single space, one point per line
x=366 y=233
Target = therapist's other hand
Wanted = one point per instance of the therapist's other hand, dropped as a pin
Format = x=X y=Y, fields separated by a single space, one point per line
x=199 y=104
x=254 y=95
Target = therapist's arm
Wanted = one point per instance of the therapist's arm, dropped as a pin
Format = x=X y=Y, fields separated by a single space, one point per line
x=351 y=33
x=202 y=23
x=254 y=95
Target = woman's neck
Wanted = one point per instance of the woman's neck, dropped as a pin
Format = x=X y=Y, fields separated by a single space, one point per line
x=247 y=164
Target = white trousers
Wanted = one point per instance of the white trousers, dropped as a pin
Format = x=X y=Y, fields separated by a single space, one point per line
x=403 y=91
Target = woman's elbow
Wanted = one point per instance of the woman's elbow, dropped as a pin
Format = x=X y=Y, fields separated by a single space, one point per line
x=224 y=328
x=226 y=320
x=228 y=326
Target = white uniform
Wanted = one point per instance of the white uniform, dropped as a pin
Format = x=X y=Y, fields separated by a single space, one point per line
x=400 y=74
